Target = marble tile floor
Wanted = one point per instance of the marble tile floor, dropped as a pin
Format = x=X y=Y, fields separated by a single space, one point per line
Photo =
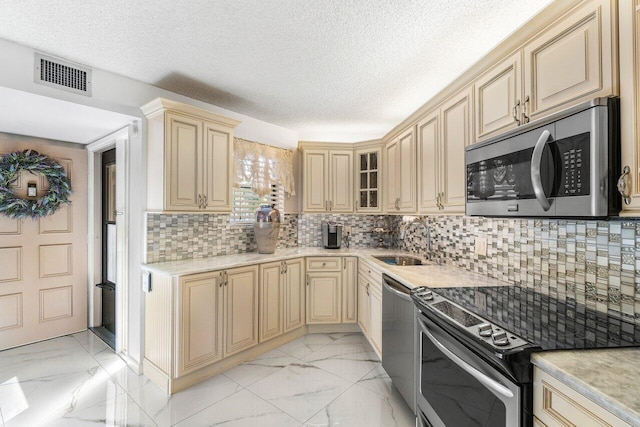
x=316 y=380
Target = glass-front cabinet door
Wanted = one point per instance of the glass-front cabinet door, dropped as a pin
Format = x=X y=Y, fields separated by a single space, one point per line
x=368 y=180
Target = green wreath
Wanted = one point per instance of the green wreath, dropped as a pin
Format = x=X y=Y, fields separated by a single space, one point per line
x=29 y=160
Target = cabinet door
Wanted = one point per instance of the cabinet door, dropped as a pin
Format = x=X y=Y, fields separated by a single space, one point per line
x=349 y=290
x=183 y=163
x=406 y=172
x=294 y=295
x=368 y=176
x=363 y=306
x=316 y=180
x=217 y=157
x=341 y=181
x=392 y=152
x=199 y=322
x=574 y=60
x=241 y=309
x=498 y=101
x=375 y=318
x=456 y=135
x=271 y=300
x=428 y=163
x=323 y=297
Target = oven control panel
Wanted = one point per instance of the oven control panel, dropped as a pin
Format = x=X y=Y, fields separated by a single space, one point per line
x=484 y=330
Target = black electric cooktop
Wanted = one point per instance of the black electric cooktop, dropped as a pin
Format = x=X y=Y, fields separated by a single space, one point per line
x=551 y=323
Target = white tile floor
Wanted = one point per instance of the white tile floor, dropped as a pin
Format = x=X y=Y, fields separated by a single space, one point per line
x=316 y=380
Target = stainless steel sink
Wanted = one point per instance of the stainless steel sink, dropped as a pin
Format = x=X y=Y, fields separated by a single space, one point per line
x=399 y=260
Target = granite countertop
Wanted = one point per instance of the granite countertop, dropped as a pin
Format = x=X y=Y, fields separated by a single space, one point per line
x=431 y=274
x=609 y=377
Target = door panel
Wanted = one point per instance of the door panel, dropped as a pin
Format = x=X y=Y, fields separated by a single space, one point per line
x=363 y=306
x=316 y=180
x=241 y=309
x=323 y=297
x=184 y=145
x=341 y=178
x=391 y=178
x=295 y=301
x=43 y=278
x=428 y=163
x=375 y=318
x=406 y=184
x=216 y=169
x=350 y=290
x=271 y=300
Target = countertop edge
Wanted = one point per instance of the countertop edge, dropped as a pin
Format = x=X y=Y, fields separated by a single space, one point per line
x=612 y=405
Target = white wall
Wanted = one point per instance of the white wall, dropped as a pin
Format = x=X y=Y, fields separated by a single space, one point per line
x=116 y=93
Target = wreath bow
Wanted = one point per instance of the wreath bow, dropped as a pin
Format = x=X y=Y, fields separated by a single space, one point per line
x=29 y=160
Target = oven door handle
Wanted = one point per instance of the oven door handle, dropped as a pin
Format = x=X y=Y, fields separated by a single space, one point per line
x=490 y=383
x=536 y=164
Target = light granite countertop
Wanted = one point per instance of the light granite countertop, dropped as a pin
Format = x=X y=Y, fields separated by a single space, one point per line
x=431 y=274
x=609 y=377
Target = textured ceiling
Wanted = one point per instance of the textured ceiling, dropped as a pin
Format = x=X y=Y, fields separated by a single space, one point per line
x=332 y=70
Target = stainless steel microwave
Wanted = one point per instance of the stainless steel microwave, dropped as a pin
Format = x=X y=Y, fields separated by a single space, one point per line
x=564 y=165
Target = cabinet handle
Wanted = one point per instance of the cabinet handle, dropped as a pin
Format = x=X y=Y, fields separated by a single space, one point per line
x=515 y=112
x=221 y=278
x=368 y=290
x=326 y=205
x=344 y=264
x=525 y=118
x=226 y=278
x=357 y=204
x=324 y=264
x=307 y=280
x=330 y=205
x=199 y=201
x=623 y=185
x=205 y=202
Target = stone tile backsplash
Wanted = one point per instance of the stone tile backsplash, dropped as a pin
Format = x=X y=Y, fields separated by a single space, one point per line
x=175 y=237
x=591 y=262
x=310 y=228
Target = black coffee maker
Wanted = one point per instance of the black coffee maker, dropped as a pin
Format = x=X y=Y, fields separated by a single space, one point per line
x=331 y=235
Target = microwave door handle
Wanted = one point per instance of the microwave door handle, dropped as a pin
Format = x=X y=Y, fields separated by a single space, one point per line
x=490 y=383
x=536 y=163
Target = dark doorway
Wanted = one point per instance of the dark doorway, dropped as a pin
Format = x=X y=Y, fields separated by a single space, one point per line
x=108 y=329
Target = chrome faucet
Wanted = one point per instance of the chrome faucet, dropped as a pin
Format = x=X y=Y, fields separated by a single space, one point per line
x=423 y=222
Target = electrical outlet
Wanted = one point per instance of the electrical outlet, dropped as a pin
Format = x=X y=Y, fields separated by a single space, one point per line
x=347 y=229
x=481 y=246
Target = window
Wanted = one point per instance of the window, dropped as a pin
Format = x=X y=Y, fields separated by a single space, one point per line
x=245 y=203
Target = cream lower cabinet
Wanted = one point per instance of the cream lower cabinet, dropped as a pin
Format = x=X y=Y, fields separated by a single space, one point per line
x=331 y=290
x=282 y=301
x=370 y=305
x=217 y=316
x=190 y=158
x=442 y=138
x=327 y=180
x=557 y=405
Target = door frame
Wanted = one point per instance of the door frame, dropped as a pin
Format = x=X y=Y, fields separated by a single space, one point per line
x=120 y=141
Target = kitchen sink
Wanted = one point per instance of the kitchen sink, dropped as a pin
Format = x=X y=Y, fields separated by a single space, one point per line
x=399 y=260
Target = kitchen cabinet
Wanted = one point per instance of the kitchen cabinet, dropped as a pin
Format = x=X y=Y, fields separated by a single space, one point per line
x=331 y=290
x=583 y=46
x=328 y=180
x=629 y=183
x=400 y=173
x=370 y=305
x=349 y=290
x=190 y=153
x=368 y=179
x=241 y=308
x=557 y=405
x=282 y=302
x=442 y=137
x=498 y=98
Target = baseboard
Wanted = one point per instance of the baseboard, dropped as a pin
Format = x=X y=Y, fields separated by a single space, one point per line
x=334 y=327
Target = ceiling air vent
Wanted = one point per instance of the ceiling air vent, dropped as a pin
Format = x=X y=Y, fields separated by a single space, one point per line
x=62 y=75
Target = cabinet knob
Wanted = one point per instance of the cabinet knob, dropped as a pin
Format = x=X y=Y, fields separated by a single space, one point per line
x=324 y=264
x=623 y=185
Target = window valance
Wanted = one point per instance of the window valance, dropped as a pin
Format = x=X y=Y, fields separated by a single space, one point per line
x=262 y=166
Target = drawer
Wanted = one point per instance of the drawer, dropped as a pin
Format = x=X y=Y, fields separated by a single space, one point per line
x=557 y=405
x=368 y=279
x=324 y=263
x=370 y=273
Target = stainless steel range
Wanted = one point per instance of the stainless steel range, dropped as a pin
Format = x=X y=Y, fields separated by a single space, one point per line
x=474 y=344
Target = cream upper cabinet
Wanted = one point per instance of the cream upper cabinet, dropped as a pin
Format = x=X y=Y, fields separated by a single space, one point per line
x=324 y=299
x=573 y=60
x=368 y=177
x=349 y=290
x=557 y=405
x=400 y=173
x=190 y=154
x=629 y=185
x=498 y=98
x=271 y=300
x=328 y=180
x=294 y=294
x=429 y=149
x=241 y=308
x=456 y=134
x=199 y=322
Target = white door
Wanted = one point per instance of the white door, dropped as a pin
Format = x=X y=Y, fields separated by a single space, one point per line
x=43 y=278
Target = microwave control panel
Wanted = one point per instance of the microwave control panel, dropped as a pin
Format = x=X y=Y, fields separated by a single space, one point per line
x=572 y=160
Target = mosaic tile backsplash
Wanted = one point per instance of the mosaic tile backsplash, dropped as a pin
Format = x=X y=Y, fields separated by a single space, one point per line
x=175 y=237
x=310 y=228
x=595 y=263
